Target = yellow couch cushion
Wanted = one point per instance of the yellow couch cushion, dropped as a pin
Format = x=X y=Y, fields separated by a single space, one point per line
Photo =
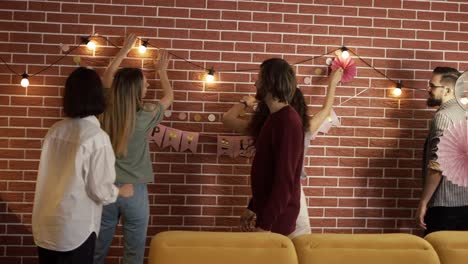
x=185 y=247
x=364 y=249
x=451 y=246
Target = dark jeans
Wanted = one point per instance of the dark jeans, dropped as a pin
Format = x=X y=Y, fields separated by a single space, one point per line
x=82 y=255
x=446 y=218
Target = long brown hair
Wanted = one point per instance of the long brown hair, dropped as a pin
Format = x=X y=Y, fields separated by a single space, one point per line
x=276 y=77
x=124 y=101
x=262 y=111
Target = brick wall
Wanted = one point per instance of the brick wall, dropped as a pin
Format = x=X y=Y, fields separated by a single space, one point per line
x=364 y=175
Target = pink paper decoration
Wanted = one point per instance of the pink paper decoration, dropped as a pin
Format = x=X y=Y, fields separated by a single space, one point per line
x=172 y=138
x=348 y=65
x=452 y=153
x=189 y=141
x=157 y=134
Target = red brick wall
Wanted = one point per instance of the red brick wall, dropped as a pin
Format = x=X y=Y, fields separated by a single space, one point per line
x=364 y=175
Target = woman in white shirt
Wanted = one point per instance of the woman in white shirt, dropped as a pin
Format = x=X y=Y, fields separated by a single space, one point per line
x=76 y=176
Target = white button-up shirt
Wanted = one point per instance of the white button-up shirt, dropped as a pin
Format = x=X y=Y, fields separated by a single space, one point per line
x=75 y=179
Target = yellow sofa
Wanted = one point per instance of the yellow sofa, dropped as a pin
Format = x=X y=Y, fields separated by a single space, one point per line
x=364 y=249
x=451 y=246
x=185 y=247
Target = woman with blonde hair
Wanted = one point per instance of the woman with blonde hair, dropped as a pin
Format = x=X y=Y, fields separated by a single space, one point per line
x=128 y=121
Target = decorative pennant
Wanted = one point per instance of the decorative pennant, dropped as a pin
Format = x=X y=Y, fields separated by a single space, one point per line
x=228 y=146
x=172 y=138
x=189 y=141
x=157 y=134
x=348 y=65
x=246 y=147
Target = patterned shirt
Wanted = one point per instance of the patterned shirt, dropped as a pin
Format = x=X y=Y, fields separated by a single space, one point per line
x=447 y=194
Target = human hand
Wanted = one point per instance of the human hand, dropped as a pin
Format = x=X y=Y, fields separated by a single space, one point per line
x=162 y=60
x=129 y=42
x=420 y=214
x=249 y=100
x=126 y=190
x=247 y=221
x=335 y=76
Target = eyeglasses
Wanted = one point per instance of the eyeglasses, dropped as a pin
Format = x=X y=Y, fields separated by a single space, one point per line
x=432 y=86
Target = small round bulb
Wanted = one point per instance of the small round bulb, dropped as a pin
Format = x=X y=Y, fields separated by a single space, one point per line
x=91 y=45
x=25 y=82
x=142 y=49
x=209 y=78
x=396 y=91
x=345 y=54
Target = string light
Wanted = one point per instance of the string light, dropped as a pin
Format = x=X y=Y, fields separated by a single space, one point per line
x=397 y=90
x=344 y=52
x=89 y=43
x=143 y=46
x=24 y=80
x=210 y=75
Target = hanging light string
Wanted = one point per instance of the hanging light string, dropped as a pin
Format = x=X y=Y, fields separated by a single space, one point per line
x=399 y=84
x=210 y=71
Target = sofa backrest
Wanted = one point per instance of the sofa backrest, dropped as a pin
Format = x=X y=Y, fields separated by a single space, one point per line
x=451 y=246
x=364 y=249
x=185 y=247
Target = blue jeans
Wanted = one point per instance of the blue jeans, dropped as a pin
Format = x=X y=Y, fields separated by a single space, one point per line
x=135 y=213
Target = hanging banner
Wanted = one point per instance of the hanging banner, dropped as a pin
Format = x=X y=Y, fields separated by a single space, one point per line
x=172 y=138
x=189 y=141
x=157 y=134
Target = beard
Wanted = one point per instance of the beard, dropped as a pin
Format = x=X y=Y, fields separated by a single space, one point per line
x=431 y=102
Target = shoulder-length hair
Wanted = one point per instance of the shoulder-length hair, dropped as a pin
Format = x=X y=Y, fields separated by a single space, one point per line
x=124 y=100
x=83 y=95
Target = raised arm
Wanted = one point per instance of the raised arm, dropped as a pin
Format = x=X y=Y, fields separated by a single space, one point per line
x=161 y=63
x=231 y=118
x=319 y=117
x=117 y=60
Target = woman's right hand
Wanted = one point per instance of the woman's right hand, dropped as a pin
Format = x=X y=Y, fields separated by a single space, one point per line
x=161 y=62
x=248 y=220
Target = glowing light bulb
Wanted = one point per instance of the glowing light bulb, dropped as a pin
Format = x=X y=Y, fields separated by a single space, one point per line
x=396 y=91
x=91 y=45
x=345 y=54
x=25 y=81
x=143 y=46
x=210 y=76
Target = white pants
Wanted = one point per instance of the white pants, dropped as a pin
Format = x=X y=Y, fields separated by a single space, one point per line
x=302 y=222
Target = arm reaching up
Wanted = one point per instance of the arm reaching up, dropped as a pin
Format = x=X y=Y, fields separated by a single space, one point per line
x=161 y=64
x=318 y=118
x=115 y=63
x=231 y=118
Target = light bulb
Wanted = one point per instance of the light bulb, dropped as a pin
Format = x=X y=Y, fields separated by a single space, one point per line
x=143 y=46
x=210 y=75
x=345 y=54
x=396 y=91
x=209 y=78
x=91 y=45
x=25 y=81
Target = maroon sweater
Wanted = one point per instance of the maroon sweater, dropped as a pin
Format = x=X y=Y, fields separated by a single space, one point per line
x=276 y=171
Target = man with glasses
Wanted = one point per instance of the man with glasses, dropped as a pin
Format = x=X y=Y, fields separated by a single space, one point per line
x=443 y=205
